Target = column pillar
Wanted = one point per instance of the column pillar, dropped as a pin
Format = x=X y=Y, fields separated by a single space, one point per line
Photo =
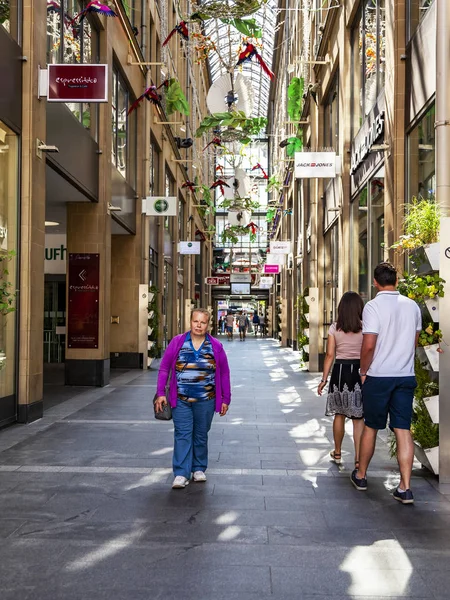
x=89 y=231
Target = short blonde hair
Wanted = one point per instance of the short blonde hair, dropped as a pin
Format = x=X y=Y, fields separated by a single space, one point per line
x=204 y=311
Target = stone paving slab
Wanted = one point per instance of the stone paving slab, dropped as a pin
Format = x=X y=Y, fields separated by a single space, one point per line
x=87 y=511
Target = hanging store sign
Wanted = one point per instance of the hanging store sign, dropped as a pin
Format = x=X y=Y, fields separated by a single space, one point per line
x=365 y=139
x=240 y=278
x=189 y=248
x=276 y=259
x=266 y=281
x=83 y=305
x=280 y=247
x=315 y=165
x=160 y=206
x=77 y=83
x=274 y=269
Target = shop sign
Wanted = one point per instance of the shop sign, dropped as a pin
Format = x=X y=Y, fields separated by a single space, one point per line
x=276 y=259
x=240 y=278
x=280 y=247
x=77 y=83
x=189 y=248
x=160 y=206
x=83 y=301
x=55 y=254
x=320 y=165
x=275 y=269
x=220 y=280
x=363 y=143
x=266 y=281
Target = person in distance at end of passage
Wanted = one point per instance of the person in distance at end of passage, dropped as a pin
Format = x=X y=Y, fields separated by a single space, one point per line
x=229 y=324
x=391 y=327
x=199 y=385
x=344 y=392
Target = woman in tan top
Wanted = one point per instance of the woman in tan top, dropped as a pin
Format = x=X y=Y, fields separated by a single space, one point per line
x=344 y=393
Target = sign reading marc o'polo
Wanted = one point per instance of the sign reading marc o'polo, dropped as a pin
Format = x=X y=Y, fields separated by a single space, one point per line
x=77 y=83
x=83 y=305
x=315 y=164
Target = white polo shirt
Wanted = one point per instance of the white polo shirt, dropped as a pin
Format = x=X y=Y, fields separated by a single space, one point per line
x=395 y=319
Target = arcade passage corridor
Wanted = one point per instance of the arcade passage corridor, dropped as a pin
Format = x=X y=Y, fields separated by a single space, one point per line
x=87 y=511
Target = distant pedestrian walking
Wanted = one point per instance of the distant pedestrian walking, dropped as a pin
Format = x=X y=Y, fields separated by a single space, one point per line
x=199 y=385
x=256 y=322
x=391 y=326
x=229 y=324
x=344 y=392
x=243 y=324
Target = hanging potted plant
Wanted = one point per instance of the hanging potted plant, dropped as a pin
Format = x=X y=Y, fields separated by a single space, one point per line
x=425 y=290
x=421 y=238
x=430 y=344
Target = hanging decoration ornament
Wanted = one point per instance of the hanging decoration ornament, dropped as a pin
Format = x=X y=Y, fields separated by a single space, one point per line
x=216 y=141
x=181 y=28
x=189 y=185
x=221 y=184
x=218 y=9
x=248 y=53
x=95 y=7
x=151 y=94
x=258 y=166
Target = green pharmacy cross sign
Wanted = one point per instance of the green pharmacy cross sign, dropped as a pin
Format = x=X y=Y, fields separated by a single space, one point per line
x=160 y=206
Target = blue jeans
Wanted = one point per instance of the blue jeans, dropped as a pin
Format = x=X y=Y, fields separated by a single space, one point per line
x=192 y=421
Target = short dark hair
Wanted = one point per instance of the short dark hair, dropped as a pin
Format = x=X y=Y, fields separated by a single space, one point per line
x=350 y=310
x=385 y=274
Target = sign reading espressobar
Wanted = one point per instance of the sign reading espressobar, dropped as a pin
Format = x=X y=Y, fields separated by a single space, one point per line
x=77 y=83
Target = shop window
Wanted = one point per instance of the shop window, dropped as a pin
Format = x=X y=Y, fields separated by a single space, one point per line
x=154 y=168
x=416 y=10
x=73 y=42
x=153 y=267
x=169 y=187
x=9 y=17
x=9 y=157
x=367 y=230
x=421 y=157
x=331 y=118
x=368 y=58
x=120 y=125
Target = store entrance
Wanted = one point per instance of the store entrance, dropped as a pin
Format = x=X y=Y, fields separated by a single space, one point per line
x=54 y=319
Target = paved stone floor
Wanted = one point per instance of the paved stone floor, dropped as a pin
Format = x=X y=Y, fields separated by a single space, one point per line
x=87 y=512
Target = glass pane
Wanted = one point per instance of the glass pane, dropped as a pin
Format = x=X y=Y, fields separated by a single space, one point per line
x=8 y=243
x=360 y=247
x=370 y=54
x=53 y=33
x=382 y=46
x=357 y=53
x=422 y=147
x=122 y=132
x=114 y=119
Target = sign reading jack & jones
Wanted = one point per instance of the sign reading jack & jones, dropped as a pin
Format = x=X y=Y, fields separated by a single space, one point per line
x=315 y=164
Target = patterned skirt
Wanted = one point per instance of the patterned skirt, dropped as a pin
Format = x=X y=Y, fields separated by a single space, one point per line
x=344 y=392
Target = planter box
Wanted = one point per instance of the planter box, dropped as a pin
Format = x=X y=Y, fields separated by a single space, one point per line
x=151 y=295
x=431 y=355
x=306 y=315
x=149 y=330
x=433 y=308
x=306 y=348
x=306 y=332
x=426 y=258
x=432 y=404
x=428 y=458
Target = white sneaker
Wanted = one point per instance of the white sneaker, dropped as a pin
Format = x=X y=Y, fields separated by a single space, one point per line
x=199 y=476
x=179 y=482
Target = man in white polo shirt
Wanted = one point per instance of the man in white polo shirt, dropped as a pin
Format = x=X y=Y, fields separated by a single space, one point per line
x=391 y=326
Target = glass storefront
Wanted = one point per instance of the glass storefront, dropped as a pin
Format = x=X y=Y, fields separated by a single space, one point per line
x=416 y=10
x=367 y=230
x=421 y=157
x=9 y=163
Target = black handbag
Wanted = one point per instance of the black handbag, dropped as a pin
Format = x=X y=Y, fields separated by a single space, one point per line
x=166 y=413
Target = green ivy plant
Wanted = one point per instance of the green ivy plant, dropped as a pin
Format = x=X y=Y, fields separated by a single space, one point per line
x=273 y=184
x=421 y=287
x=175 y=99
x=248 y=27
x=231 y=234
x=239 y=204
x=295 y=98
x=295 y=144
x=235 y=120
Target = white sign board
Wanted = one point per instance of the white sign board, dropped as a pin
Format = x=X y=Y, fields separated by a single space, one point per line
x=240 y=278
x=160 y=206
x=276 y=259
x=315 y=164
x=280 y=247
x=55 y=254
x=266 y=281
x=189 y=248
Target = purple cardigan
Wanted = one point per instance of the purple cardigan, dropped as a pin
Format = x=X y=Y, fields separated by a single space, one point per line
x=168 y=362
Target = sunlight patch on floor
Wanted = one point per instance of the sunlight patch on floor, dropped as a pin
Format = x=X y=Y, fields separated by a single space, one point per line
x=105 y=551
x=305 y=430
x=147 y=481
x=227 y=518
x=162 y=451
x=386 y=572
x=229 y=534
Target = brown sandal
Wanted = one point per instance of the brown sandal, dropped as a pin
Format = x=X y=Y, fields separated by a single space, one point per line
x=336 y=457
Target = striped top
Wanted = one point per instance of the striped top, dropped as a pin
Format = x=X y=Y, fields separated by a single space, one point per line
x=195 y=371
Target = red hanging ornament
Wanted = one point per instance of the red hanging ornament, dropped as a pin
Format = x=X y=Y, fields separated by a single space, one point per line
x=96 y=7
x=181 y=28
x=150 y=94
x=248 y=53
x=258 y=166
x=221 y=184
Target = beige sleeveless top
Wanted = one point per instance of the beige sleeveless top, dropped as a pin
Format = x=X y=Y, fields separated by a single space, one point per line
x=348 y=345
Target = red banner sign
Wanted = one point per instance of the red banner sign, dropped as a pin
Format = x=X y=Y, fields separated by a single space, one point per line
x=77 y=83
x=83 y=306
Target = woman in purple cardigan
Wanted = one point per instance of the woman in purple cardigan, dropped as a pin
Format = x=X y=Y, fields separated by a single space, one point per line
x=199 y=385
